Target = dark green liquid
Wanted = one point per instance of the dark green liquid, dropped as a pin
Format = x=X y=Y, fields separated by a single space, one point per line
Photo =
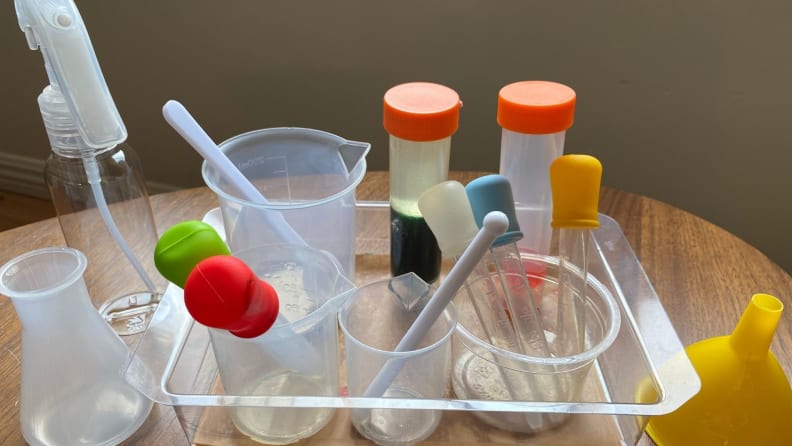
x=413 y=247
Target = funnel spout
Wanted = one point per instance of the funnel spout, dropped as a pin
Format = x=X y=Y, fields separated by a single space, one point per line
x=754 y=332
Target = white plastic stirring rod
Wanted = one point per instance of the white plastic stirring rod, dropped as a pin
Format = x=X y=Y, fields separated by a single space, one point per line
x=182 y=121
x=495 y=224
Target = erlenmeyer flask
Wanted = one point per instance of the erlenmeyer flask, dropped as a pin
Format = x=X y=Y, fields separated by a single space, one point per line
x=72 y=388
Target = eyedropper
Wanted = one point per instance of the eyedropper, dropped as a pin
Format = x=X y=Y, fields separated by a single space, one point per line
x=217 y=295
x=575 y=184
x=493 y=193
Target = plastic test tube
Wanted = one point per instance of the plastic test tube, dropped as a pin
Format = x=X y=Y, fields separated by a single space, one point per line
x=534 y=117
x=420 y=118
x=575 y=182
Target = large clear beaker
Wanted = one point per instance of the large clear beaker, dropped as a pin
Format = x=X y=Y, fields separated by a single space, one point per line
x=307 y=176
x=298 y=356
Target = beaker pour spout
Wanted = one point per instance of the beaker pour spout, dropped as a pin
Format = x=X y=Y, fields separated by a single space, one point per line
x=755 y=330
x=352 y=152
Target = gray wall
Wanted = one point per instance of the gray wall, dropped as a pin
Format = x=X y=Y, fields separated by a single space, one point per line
x=687 y=102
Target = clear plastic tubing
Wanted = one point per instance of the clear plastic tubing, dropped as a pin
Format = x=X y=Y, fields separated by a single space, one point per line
x=420 y=118
x=534 y=117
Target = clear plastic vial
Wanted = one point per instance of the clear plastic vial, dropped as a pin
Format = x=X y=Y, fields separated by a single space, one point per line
x=420 y=118
x=534 y=117
x=100 y=198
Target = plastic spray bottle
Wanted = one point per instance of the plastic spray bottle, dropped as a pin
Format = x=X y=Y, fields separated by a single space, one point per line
x=94 y=178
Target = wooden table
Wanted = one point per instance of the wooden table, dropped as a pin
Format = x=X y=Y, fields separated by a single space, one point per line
x=703 y=275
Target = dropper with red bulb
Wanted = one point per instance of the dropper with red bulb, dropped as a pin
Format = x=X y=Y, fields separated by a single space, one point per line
x=223 y=292
x=220 y=291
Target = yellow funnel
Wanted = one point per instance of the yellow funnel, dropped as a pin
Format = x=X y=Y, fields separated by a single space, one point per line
x=745 y=398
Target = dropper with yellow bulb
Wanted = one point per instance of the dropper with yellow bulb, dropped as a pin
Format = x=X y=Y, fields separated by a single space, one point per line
x=575 y=184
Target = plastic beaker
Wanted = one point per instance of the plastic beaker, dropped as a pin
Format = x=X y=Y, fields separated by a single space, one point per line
x=483 y=371
x=307 y=175
x=310 y=288
x=72 y=389
x=373 y=320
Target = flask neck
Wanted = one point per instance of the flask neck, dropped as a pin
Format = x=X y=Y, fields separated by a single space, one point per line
x=46 y=285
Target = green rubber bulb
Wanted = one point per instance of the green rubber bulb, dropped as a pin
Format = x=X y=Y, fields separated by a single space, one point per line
x=183 y=246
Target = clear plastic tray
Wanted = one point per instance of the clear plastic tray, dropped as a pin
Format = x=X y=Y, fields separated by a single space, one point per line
x=173 y=363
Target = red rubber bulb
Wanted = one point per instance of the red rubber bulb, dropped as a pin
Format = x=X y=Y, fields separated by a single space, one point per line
x=223 y=292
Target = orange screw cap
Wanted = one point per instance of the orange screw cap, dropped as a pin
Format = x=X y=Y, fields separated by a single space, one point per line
x=536 y=107
x=421 y=111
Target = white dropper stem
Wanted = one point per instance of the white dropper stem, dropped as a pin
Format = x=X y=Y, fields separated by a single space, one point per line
x=182 y=121
x=495 y=224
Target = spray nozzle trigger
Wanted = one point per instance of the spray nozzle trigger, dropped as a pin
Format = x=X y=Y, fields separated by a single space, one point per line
x=56 y=28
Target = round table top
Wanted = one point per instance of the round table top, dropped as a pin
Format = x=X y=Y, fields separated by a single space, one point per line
x=703 y=275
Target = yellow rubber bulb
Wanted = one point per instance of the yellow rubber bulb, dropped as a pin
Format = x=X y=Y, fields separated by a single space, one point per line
x=575 y=186
x=745 y=398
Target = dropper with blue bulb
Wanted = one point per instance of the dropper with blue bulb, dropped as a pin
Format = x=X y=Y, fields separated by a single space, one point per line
x=493 y=193
x=497 y=289
x=91 y=170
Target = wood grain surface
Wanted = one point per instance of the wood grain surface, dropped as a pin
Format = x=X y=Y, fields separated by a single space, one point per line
x=703 y=275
